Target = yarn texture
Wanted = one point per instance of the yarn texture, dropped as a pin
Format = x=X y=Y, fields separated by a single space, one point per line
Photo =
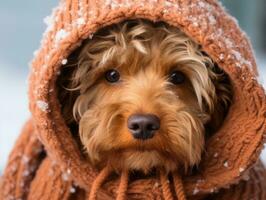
x=46 y=162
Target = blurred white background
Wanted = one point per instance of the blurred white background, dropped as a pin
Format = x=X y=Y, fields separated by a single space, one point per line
x=22 y=26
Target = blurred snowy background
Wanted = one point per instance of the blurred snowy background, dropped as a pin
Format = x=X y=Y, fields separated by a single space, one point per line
x=22 y=26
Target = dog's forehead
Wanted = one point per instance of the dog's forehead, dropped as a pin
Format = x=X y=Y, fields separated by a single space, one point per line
x=165 y=51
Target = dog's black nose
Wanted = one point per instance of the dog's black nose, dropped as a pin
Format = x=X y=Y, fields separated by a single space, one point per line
x=143 y=126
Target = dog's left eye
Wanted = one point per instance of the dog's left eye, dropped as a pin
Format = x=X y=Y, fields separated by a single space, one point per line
x=177 y=77
x=112 y=76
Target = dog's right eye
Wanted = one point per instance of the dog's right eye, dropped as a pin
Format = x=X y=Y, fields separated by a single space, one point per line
x=177 y=77
x=112 y=76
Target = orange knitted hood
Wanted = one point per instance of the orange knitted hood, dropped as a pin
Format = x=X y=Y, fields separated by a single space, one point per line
x=230 y=152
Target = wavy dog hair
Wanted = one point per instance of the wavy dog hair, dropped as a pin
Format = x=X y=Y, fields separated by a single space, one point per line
x=144 y=53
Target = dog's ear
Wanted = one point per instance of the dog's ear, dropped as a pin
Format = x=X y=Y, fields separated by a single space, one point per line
x=224 y=94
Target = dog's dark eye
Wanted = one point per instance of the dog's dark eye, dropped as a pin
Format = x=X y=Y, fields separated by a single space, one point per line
x=177 y=77
x=112 y=76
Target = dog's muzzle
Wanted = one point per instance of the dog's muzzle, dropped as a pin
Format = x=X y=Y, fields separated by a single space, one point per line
x=143 y=126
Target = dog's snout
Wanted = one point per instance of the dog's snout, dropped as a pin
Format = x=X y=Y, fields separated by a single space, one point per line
x=143 y=126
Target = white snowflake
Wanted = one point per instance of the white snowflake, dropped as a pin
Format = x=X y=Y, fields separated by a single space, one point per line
x=80 y=21
x=237 y=55
x=195 y=191
x=72 y=190
x=241 y=169
x=240 y=58
x=90 y=36
x=26 y=173
x=113 y=4
x=25 y=159
x=48 y=21
x=195 y=23
x=66 y=175
x=42 y=105
x=60 y=35
x=226 y=164
x=156 y=184
x=228 y=43
x=35 y=53
x=64 y=62
x=205 y=6
x=212 y=20
x=168 y=4
x=201 y=4
x=221 y=56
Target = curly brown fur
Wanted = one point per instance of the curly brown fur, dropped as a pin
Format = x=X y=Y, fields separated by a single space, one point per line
x=144 y=54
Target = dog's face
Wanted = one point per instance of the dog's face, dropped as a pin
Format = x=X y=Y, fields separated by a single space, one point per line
x=146 y=92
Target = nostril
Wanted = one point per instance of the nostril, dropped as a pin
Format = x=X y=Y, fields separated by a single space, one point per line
x=152 y=127
x=134 y=127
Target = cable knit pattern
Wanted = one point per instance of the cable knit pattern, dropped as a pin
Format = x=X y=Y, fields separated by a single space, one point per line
x=229 y=168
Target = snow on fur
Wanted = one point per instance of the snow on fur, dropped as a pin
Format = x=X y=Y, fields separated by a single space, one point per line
x=42 y=105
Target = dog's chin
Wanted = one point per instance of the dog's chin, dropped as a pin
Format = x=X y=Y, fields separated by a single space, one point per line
x=141 y=160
